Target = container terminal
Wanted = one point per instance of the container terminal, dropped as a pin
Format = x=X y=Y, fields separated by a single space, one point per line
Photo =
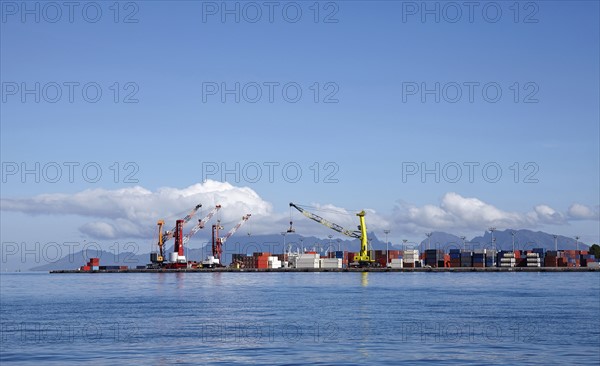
x=366 y=259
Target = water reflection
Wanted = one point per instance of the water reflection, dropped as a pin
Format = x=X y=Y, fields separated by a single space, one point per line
x=179 y=280
x=365 y=279
x=216 y=278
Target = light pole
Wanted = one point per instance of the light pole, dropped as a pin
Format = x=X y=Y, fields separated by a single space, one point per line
x=577 y=244
x=463 y=241
x=492 y=229
x=429 y=239
x=387 y=247
x=329 y=245
x=283 y=234
x=513 y=239
x=555 y=243
x=404 y=244
x=338 y=241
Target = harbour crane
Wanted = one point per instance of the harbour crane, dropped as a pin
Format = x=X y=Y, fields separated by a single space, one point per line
x=218 y=242
x=158 y=258
x=362 y=258
x=178 y=259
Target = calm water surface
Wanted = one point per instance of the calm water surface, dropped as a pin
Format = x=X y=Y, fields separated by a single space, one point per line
x=301 y=318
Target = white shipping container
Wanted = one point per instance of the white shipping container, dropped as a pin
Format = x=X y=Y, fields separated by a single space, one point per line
x=309 y=256
x=411 y=252
x=274 y=265
x=330 y=263
x=307 y=263
x=396 y=263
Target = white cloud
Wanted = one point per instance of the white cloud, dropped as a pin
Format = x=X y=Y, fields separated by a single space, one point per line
x=547 y=215
x=578 y=211
x=133 y=212
x=456 y=212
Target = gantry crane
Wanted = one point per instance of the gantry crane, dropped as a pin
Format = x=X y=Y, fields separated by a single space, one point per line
x=218 y=242
x=362 y=258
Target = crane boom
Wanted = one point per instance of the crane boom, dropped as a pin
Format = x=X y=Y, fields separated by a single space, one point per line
x=235 y=228
x=329 y=224
x=201 y=223
x=169 y=234
x=363 y=257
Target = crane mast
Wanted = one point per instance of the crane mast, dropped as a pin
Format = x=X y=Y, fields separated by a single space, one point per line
x=363 y=257
x=160 y=256
x=218 y=245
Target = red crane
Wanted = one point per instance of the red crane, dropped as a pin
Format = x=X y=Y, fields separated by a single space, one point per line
x=218 y=242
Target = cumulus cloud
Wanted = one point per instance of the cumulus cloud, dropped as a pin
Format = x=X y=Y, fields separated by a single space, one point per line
x=132 y=212
x=578 y=211
x=468 y=213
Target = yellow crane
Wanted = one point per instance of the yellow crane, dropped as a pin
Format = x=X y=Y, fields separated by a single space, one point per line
x=362 y=258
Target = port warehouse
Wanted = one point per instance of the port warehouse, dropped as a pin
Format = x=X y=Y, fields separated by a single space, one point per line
x=397 y=259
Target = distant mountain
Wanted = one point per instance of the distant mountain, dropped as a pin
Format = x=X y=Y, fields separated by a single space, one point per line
x=441 y=240
x=526 y=240
x=80 y=258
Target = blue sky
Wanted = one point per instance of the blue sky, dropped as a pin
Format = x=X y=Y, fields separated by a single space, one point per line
x=368 y=56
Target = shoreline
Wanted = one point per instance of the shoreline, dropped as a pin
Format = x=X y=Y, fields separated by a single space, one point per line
x=283 y=270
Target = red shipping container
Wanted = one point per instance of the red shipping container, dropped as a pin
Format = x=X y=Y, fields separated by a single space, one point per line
x=394 y=254
x=86 y=268
x=550 y=262
x=95 y=261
